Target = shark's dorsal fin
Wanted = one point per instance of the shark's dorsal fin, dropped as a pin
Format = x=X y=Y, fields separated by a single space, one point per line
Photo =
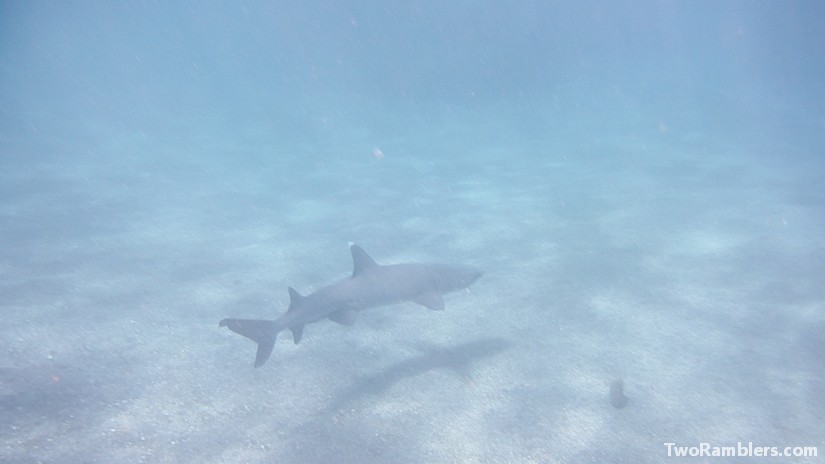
x=361 y=261
x=294 y=299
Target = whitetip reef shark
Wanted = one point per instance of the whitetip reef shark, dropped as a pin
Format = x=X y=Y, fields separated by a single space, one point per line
x=370 y=285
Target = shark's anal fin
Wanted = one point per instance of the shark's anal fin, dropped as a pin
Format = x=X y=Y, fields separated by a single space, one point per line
x=344 y=316
x=297 y=331
x=263 y=332
x=431 y=300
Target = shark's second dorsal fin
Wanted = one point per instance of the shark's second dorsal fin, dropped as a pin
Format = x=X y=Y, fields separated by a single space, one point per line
x=361 y=261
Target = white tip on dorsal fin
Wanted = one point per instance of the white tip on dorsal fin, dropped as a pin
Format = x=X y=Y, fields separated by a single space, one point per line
x=361 y=261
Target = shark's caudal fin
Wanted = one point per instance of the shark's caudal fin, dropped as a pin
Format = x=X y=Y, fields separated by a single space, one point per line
x=263 y=332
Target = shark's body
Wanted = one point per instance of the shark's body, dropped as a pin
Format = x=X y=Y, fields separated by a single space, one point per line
x=370 y=285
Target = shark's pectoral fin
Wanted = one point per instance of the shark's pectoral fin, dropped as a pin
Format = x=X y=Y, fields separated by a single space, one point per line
x=431 y=300
x=297 y=331
x=344 y=316
x=262 y=332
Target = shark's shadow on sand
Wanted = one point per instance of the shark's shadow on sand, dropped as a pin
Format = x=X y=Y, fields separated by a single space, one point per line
x=457 y=358
x=349 y=434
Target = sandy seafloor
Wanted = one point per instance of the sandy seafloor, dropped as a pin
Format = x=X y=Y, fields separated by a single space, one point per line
x=687 y=263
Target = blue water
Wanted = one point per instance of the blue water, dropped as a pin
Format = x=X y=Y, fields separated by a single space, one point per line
x=642 y=182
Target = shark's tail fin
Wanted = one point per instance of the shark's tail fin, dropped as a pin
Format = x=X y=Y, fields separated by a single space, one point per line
x=263 y=332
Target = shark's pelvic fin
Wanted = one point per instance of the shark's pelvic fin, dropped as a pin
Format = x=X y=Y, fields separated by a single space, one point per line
x=344 y=316
x=361 y=261
x=263 y=332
